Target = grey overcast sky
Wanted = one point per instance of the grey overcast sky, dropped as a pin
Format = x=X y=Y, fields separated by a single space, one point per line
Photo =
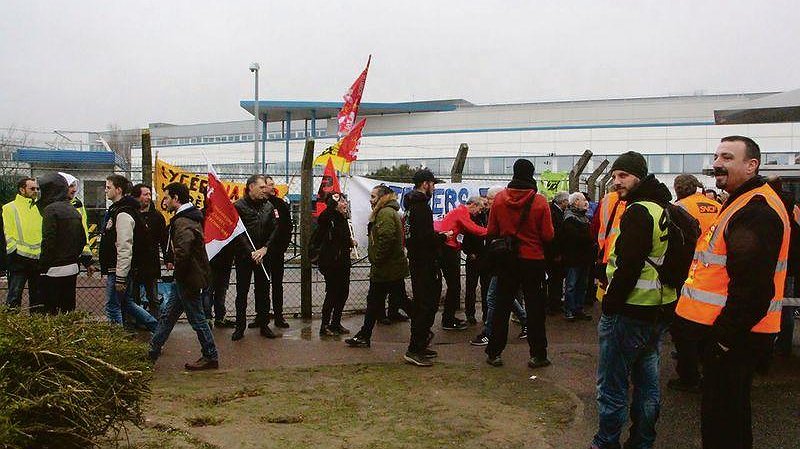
x=82 y=65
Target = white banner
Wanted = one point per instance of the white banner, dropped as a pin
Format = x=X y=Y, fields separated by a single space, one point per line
x=446 y=197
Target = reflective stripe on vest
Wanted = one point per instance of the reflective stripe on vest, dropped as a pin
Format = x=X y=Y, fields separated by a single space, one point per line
x=608 y=234
x=26 y=244
x=648 y=290
x=705 y=292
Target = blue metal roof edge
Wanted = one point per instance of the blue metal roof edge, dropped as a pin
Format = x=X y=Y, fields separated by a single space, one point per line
x=66 y=156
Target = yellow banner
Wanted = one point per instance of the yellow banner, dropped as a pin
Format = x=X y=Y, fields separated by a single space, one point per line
x=166 y=174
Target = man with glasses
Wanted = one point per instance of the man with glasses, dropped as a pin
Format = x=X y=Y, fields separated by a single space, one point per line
x=23 y=232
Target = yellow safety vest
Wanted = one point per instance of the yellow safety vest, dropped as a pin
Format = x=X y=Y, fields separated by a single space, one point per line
x=22 y=224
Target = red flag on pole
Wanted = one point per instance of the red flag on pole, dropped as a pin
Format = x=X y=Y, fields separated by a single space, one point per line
x=329 y=184
x=349 y=146
x=222 y=223
x=347 y=116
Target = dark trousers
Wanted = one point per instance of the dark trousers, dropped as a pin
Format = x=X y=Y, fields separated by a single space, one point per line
x=476 y=273
x=150 y=293
x=727 y=378
x=555 y=285
x=530 y=275
x=426 y=289
x=17 y=278
x=58 y=293
x=376 y=298
x=245 y=270
x=214 y=297
x=689 y=338
x=450 y=262
x=337 y=289
x=276 y=267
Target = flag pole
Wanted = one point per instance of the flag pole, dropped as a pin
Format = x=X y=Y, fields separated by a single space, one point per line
x=245 y=229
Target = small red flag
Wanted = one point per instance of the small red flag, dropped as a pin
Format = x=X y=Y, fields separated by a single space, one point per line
x=329 y=184
x=352 y=99
x=349 y=147
x=222 y=223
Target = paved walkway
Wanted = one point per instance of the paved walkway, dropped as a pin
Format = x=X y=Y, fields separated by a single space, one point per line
x=572 y=349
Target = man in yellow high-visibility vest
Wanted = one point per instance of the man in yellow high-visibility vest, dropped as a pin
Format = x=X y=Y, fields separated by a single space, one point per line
x=22 y=226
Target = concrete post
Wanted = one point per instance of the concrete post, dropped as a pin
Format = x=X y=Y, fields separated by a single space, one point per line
x=306 y=190
x=458 y=163
x=575 y=173
x=603 y=185
x=147 y=159
x=591 y=181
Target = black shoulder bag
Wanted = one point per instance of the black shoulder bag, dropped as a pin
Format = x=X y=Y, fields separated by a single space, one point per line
x=503 y=252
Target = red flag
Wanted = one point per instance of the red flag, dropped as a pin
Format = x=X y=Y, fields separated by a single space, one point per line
x=349 y=147
x=329 y=184
x=222 y=223
x=347 y=116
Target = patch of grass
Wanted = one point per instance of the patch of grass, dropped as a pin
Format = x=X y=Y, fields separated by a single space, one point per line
x=222 y=398
x=282 y=419
x=204 y=420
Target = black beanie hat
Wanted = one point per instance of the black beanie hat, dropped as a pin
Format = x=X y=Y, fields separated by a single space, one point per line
x=631 y=162
x=523 y=170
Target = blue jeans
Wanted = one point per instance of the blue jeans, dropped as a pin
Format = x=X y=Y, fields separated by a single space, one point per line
x=491 y=302
x=190 y=302
x=117 y=302
x=575 y=289
x=628 y=350
x=16 y=284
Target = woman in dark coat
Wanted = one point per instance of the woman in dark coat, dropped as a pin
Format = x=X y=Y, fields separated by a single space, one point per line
x=334 y=242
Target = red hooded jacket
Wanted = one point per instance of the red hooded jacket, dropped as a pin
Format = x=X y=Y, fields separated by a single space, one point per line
x=459 y=221
x=504 y=219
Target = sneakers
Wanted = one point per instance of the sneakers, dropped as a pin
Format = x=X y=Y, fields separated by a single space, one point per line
x=338 y=329
x=397 y=317
x=281 y=323
x=224 y=323
x=524 y=333
x=326 y=331
x=267 y=332
x=538 y=362
x=494 y=360
x=569 y=316
x=429 y=353
x=357 y=342
x=454 y=325
x=238 y=334
x=417 y=359
x=678 y=385
x=202 y=364
x=479 y=340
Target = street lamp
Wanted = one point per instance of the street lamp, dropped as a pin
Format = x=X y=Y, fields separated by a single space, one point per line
x=254 y=68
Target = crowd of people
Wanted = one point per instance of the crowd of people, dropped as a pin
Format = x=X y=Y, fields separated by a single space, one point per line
x=711 y=273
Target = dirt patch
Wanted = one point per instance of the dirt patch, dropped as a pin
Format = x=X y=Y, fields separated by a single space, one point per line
x=354 y=406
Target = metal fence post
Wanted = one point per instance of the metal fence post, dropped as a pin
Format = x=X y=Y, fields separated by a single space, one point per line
x=147 y=159
x=575 y=173
x=458 y=163
x=306 y=188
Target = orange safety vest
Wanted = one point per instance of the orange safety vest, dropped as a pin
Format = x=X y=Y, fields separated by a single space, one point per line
x=706 y=289
x=705 y=210
x=607 y=236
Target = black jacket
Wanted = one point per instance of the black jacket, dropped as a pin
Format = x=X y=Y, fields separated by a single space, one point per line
x=472 y=244
x=422 y=241
x=577 y=244
x=192 y=271
x=157 y=228
x=63 y=237
x=554 y=248
x=753 y=238
x=259 y=220
x=283 y=232
x=632 y=247
x=335 y=240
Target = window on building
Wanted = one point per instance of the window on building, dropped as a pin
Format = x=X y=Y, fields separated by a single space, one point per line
x=695 y=163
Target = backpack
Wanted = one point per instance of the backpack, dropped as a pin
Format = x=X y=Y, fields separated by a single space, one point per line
x=683 y=231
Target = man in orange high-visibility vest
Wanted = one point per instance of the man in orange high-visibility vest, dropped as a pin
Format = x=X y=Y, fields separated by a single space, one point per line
x=735 y=287
x=688 y=336
x=609 y=214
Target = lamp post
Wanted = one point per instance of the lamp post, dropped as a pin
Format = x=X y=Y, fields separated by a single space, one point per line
x=254 y=68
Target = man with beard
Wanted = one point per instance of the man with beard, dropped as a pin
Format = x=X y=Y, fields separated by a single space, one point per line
x=422 y=243
x=22 y=225
x=735 y=287
x=637 y=309
x=577 y=250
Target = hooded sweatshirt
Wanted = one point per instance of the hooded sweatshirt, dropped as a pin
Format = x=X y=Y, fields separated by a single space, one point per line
x=505 y=214
x=63 y=236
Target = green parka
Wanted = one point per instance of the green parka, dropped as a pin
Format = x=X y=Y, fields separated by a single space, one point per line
x=386 y=255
